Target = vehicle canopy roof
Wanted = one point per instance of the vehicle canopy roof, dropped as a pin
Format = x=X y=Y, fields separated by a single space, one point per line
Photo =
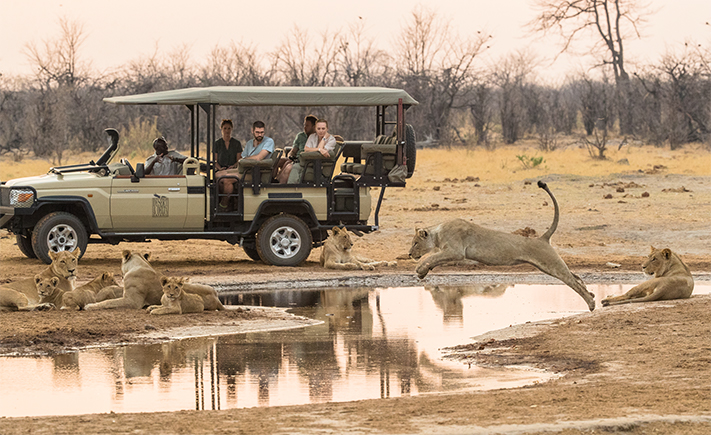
x=273 y=96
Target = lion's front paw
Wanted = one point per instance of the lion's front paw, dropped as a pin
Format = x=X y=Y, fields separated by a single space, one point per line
x=46 y=306
x=422 y=271
x=367 y=267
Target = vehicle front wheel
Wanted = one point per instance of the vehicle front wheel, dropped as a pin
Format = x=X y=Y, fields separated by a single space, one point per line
x=58 y=231
x=24 y=242
x=284 y=240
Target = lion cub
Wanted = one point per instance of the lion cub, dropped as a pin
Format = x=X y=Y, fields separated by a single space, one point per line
x=175 y=300
x=48 y=291
x=337 y=253
x=100 y=288
x=672 y=280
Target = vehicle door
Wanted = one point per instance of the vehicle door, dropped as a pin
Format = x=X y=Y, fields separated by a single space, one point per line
x=154 y=202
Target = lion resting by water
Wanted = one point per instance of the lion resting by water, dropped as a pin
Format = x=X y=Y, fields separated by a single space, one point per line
x=458 y=240
x=64 y=267
x=175 y=300
x=672 y=280
x=141 y=284
x=337 y=253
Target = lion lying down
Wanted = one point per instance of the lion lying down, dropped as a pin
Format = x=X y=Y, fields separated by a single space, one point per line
x=180 y=297
x=672 y=280
x=338 y=253
x=458 y=239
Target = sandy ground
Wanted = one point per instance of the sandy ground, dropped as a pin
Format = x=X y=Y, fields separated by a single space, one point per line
x=633 y=369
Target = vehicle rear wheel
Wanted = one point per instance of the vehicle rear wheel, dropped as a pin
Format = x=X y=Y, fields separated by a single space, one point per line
x=24 y=242
x=284 y=240
x=410 y=149
x=58 y=231
x=252 y=253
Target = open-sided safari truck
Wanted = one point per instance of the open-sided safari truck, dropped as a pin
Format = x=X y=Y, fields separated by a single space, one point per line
x=109 y=201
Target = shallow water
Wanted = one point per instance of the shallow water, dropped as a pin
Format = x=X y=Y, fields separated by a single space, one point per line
x=374 y=343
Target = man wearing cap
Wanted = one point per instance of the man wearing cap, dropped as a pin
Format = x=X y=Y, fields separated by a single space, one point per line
x=164 y=162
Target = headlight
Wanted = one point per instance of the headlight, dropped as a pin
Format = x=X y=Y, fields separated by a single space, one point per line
x=22 y=198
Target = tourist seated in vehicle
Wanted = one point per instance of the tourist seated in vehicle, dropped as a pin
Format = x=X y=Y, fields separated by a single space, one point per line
x=164 y=162
x=286 y=164
x=322 y=142
x=260 y=147
x=227 y=150
x=227 y=153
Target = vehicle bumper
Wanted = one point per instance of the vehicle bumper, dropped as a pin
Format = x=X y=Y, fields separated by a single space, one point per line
x=6 y=215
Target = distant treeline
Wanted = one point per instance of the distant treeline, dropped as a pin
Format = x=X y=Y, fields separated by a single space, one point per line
x=463 y=101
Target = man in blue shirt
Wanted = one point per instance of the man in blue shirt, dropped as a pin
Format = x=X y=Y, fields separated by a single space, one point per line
x=259 y=148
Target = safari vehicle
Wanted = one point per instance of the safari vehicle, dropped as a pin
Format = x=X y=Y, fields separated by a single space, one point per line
x=108 y=201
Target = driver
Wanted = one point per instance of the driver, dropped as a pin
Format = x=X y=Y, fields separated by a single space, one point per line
x=164 y=162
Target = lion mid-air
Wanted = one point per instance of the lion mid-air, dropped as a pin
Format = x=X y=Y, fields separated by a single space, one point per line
x=458 y=240
x=338 y=253
x=672 y=280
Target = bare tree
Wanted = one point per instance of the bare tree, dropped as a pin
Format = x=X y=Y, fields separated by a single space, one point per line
x=435 y=65
x=57 y=61
x=611 y=21
x=511 y=76
x=303 y=63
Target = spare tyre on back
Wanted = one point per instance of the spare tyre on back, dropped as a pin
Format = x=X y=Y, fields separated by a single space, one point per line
x=410 y=149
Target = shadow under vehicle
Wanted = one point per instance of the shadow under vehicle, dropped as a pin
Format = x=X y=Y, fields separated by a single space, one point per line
x=278 y=224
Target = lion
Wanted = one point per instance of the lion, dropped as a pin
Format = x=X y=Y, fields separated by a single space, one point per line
x=672 y=280
x=89 y=292
x=64 y=267
x=208 y=294
x=141 y=284
x=12 y=300
x=48 y=291
x=458 y=240
x=175 y=300
x=337 y=253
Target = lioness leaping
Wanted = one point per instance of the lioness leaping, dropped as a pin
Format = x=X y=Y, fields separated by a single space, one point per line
x=458 y=240
x=337 y=253
x=672 y=280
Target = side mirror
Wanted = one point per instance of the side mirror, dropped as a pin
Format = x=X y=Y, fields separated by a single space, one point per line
x=139 y=173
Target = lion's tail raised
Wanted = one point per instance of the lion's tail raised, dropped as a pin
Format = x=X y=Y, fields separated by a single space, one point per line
x=554 y=225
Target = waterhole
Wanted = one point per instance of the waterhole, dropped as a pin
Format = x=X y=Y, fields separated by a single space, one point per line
x=373 y=343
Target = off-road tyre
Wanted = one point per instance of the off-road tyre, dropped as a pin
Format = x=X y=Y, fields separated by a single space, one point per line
x=410 y=149
x=284 y=240
x=24 y=242
x=58 y=231
x=252 y=253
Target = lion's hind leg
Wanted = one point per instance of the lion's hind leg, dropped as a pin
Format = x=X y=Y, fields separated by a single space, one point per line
x=549 y=262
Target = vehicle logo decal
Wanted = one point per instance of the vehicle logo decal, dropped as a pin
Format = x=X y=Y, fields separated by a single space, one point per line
x=160 y=206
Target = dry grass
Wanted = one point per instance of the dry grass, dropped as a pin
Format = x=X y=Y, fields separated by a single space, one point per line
x=500 y=165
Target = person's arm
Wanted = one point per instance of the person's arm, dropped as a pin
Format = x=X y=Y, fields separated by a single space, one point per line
x=311 y=144
x=259 y=156
x=239 y=157
x=149 y=164
x=177 y=157
x=322 y=145
x=218 y=166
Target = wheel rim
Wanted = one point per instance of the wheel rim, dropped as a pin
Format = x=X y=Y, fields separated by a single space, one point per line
x=62 y=238
x=285 y=242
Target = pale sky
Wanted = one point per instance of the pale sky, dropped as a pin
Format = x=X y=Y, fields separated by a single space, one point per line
x=119 y=31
